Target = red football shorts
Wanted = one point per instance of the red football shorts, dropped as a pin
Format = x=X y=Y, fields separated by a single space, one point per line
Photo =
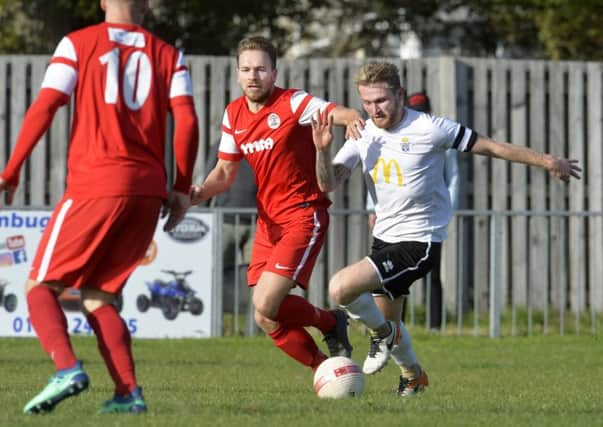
x=290 y=249
x=96 y=243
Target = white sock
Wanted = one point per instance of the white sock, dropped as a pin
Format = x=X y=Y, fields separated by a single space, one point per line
x=403 y=354
x=364 y=309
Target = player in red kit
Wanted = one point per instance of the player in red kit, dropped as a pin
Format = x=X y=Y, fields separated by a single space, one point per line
x=270 y=128
x=124 y=81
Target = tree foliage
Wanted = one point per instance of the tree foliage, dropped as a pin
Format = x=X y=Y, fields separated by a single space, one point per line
x=571 y=29
x=556 y=29
x=36 y=26
x=216 y=28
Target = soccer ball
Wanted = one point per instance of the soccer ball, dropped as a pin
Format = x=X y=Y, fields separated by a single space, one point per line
x=338 y=377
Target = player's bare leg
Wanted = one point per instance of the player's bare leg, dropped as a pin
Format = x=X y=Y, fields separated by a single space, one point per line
x=282 y=315
x=268 y=294
x=392 y=310
x=351 y=288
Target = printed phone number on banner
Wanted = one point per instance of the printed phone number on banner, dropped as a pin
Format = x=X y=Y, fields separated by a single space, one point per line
x=77 y=325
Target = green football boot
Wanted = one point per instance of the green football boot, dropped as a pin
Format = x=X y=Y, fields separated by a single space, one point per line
x=63 y=384
x=132 y=403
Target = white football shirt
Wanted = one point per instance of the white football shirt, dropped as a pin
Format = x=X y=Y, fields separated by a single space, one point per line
x=404 y=171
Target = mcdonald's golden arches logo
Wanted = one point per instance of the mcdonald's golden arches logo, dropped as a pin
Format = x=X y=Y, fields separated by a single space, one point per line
x=387 y=166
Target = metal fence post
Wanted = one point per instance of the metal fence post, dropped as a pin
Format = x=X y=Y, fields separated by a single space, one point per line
x=217 y=321
x=251 y=328
x=496 y=235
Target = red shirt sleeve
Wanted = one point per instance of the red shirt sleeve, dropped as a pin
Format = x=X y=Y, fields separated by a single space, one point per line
x=186 y=142
x=37 y=121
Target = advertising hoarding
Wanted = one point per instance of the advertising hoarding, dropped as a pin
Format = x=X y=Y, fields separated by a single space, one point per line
x=168 y=295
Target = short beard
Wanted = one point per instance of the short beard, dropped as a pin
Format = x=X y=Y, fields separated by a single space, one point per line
x=393 y=119
x=260 y=98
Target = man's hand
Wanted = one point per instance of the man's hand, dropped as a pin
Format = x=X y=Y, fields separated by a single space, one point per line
x=176 y=206
x=10 y=191
x=350 y=118
x=564 y=169
x=196 y=194
x=322 y=131
x=353 y=128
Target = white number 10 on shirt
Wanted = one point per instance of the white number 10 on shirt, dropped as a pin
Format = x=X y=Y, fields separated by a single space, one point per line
x=136 y=81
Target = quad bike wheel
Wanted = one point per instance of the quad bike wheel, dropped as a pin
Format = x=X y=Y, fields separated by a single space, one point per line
x=170 y=309
x=143 y=303
x=10 y=302
x=195 y=306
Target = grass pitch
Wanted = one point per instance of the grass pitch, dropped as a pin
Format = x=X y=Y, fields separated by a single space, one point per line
x=475 y=381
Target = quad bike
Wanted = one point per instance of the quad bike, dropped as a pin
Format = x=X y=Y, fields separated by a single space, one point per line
x=8 y=301
x=172 y=296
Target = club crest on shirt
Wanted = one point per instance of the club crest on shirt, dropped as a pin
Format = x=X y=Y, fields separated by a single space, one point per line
x=274 y=121
x=405 y=144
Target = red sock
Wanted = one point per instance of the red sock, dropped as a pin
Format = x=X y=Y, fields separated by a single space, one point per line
x=296 y=312
x=115 y=346
x=298 y=344
x=48 y=320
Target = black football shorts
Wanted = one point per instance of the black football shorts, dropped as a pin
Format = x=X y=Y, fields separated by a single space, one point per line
x=400 y=264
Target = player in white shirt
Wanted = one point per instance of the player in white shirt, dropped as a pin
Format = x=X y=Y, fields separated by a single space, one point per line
x=401 y=152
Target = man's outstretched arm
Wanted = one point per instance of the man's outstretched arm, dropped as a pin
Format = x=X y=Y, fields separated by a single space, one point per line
x=350 y=118
x=560 y=168
x=218 y=181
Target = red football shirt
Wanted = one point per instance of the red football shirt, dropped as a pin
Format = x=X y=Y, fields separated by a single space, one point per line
x=125 y=80
x=277 y=143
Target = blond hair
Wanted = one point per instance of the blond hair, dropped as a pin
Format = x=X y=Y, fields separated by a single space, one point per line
x=258 y=43
x=378 y=72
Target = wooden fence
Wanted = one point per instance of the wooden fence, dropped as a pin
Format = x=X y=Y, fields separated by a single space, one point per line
x=548 y=106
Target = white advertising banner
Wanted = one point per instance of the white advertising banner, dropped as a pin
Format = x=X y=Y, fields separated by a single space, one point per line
x=168 y=295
